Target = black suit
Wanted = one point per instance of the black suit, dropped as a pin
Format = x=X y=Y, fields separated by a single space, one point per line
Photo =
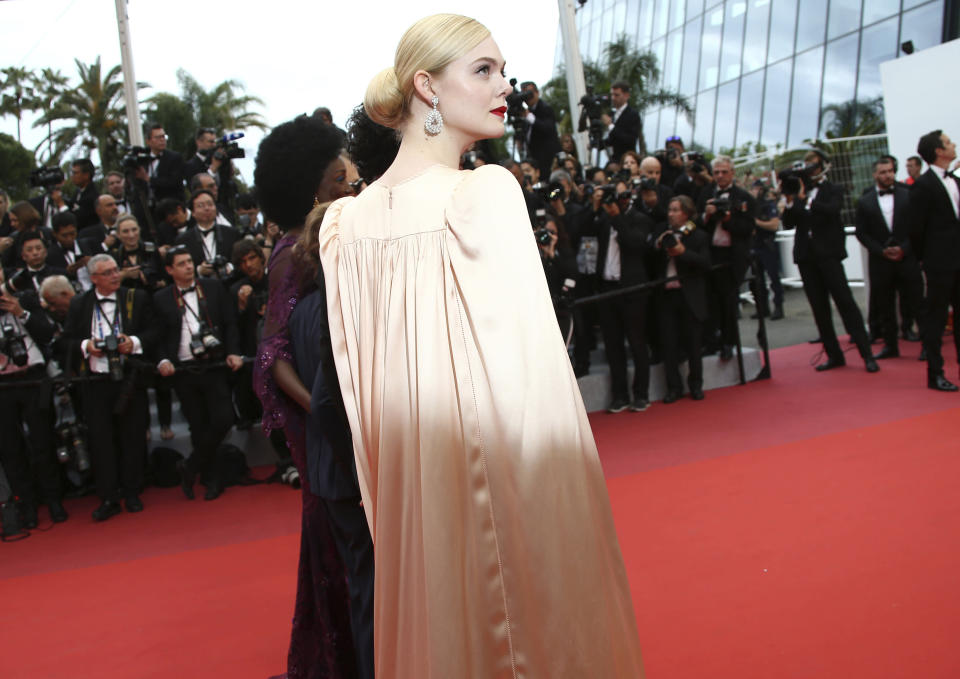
x=204 y=392
x=819 y=250
x=623 y=137
x=935 y=236
x=331 y=470
x=223 y=236
x=166 y=179
x=95 y=233
x=544 y=141
x=886 y=276
x=84 y=206
x=117 y=440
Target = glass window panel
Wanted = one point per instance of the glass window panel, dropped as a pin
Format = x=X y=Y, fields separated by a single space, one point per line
x=726 y=122
x=694 y=8
x=651 y=122
x=596 y=46
x=630 y=22
x=646 y=23
x=658 y=48
x=671 y=62
x=668 y=122
x=783 y=23
x=684 y=130
x=710 y=48
x=691 y=51
x=805 y=104
x=907 y=4
x=812 y=22
x=732 y=40
x=879 y=44
x=748 y=115
x=874 y=10
x=844 y=16
x=703 y=129
x=620 y=19
x=923 y=25
x=840 y=74
x=660 y=17
x=676 y=16
x=776 y=102
x=755 y=47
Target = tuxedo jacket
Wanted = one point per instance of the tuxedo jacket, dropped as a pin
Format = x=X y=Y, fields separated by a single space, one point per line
x=544 y=141
x=84 y=206
x=225 y=236
x=44 y=273
x=934 y=227
x=149 y=261
x=11 y=259
x=633 y=231
x=740 y=225
x=95 y=233
x=819 y=231
x=39 y=324
x=57 y=258
x=626 y=130
x=695 y=263
x=167 y=181
x=872 y=229
x=136 y=319
x=223 y=317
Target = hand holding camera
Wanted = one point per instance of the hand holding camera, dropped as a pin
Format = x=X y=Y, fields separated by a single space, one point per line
x=243 y=296
x=10 y=304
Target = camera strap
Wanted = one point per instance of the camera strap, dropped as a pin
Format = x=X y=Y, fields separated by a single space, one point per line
x=201 y=303
x=102 y=315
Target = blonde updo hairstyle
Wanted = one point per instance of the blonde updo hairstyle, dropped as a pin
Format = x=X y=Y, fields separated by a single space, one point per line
x=429 y=45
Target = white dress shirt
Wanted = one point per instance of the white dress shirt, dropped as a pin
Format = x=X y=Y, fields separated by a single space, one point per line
x=886 y=207
x=34 y=355
x=611 y=267
x=103 y=324
x=189 y=326
x=83 y=276
x=951 y=186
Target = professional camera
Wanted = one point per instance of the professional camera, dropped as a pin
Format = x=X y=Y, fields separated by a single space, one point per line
x=610 y=195
x=593 y=108
x=204 y=343
x=697 y=162
x=227 y=148
x=645 y=184
x=70 y=433
x=46 y=177
x=13 y=344
x=670 y=238
x=19 y=282
x=796 y=176
x=516 y=112
x=220 y=265
x=134 y=157
x=245 y=226
x=110 y=345
x=540 y=222
x=722 y=203
x=550 y=192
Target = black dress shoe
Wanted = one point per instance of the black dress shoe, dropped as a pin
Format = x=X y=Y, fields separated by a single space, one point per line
x=871 y=365
x=133 y=504
x=887 y=352
x=106 y=509
x=941 y=383
x=726 y=352
x=831 y=363
x=187 y=478
x=696 y=394
x=777 y=314
x=923 y=355
x=57 y=513
x=671 y=397
x=617 y=405
x=815 y=341
x=28 y=516
x=214 y=490
x=911 y=336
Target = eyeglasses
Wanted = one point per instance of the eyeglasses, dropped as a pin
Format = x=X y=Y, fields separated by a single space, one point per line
x=107 y=272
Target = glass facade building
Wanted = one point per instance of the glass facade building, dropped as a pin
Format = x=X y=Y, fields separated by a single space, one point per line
x=759 y=70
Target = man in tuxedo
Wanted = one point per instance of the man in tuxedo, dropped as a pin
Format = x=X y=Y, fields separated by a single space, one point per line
x=166 y=167
x=883 y=228
x=250 y=293
x=69 y=253
x=103 y=231
x=198 y=327
x=172 y=222
x=813 y=209
x=622 y=246
x=205 y=182
x=207 y=244
x=624 y=126
x=543 y=143
x=914 y=169
x=116 y=187
x=83 y=204
x=50 y=203
x=115 y=405
x=935 y=236
x=726 y=211
x=33 y=252
x=208 y=160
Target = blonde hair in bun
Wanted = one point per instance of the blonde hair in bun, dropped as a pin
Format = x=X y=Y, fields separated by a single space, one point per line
x=430 y=45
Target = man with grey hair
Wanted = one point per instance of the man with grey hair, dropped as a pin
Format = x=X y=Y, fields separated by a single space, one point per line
x=104 y=327
x=56 y=293
x=727 y=214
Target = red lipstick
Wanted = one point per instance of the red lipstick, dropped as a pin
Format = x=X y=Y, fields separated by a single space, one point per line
x=502 y=111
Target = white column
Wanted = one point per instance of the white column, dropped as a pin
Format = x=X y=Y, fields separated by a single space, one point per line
x=129 y=79
x=576 y=84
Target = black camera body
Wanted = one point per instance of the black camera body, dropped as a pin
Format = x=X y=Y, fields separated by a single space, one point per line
x=645 y=184
x=697 y=162
x=220 y=265
x=110 y=346
x=670 y=238
x=797 y=176
x=204 y=343
x=134 y=157
x=723 y=205
x=46 y=177
x=593 y=106
x=610 y=195
x=14 y=345
x=516 y=113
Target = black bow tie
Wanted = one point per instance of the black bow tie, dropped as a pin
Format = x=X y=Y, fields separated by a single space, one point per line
x=106 y=300
x=184 y=291
x=884 y=192
x=951 y=176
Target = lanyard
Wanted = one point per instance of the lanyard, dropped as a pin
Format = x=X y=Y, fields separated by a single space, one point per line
x=201 y=303
x=101 y=315
x=208 y=253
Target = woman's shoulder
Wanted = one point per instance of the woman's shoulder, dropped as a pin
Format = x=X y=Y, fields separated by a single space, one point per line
x=486 y=188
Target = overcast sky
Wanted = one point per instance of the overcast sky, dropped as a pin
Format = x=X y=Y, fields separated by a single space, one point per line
x=294 y=54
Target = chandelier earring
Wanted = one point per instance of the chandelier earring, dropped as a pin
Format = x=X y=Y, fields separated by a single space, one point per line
x=434 y=122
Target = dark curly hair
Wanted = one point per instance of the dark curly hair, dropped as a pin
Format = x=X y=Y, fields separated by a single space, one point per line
x=372 y=147
x=290 y=162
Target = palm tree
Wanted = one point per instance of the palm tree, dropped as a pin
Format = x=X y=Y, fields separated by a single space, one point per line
x=48 y=87
x=621 y=60
x=94 y=112
x=225 y=107
x=18 y=94
x=853 y=118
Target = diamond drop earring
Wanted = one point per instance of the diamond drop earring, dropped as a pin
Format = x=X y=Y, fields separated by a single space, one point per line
x=434 y=122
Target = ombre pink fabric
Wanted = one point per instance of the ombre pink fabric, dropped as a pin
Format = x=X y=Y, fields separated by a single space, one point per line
x=496 y=554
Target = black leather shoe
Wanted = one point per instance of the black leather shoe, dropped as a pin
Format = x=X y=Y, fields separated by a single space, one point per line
x=133 y=504
x=57 y=513
x=777 y=314
x=671 y=397
x=923 y=355
x=726 y=352
x=617 y=405
x=28 y=516
x=214 y=490
x=831 y=363
x=187 y=478
x=106 y=509
x=911 y=336
x=941 y=383
x=638 y=405
x=696 y=394
x=871 y=365
x=815 y=341
x=887 y=352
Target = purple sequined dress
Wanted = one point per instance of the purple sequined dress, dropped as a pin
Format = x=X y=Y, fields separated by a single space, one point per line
x=321 y=644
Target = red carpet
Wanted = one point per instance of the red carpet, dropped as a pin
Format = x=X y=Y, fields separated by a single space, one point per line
x=800 y=527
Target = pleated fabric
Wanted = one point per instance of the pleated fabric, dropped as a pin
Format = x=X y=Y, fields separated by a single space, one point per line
x=496 y=554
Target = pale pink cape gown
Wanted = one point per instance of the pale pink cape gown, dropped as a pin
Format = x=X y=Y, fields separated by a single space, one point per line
x=496 y=554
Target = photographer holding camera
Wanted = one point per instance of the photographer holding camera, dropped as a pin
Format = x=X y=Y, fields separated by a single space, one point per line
x=250 y=293
x=543 y=142
x=27 y=457
x=765 y=249
x=819 y=247
x=726 y=211
x=213 y=158
x=106 y=326
x=69 y=253
x=165 y=169
x=198 y=328
x=138 y=260
x=623 y=128
x=209 y=243
x=82 y=203
x=103 y=233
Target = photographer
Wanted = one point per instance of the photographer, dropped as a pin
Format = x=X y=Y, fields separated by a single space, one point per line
x=23 y=219
x=198 y=328
x=116 y=186
x=52 y=201
x=27 y=456
x=726 y=211
x=248 y=217
x=559 y=266
x=533 y=200
x=33 y=253
x=543 y=142
x=695 y=178
x=622 y=247
x=138 y=260
x=819 y=248
x=165 y=171
x=250 y=293
x=106 y=327
x=212 y=158
x=623 y=129
x=102 y=233
x=671 y=161
x=82 y=203
x=209 y=243
x=68 y=253
x=172 y=222
x=767 y=221
x=205 y=182
x=683 y=255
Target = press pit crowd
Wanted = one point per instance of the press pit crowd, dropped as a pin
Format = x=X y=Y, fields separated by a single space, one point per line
x=157 y=281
